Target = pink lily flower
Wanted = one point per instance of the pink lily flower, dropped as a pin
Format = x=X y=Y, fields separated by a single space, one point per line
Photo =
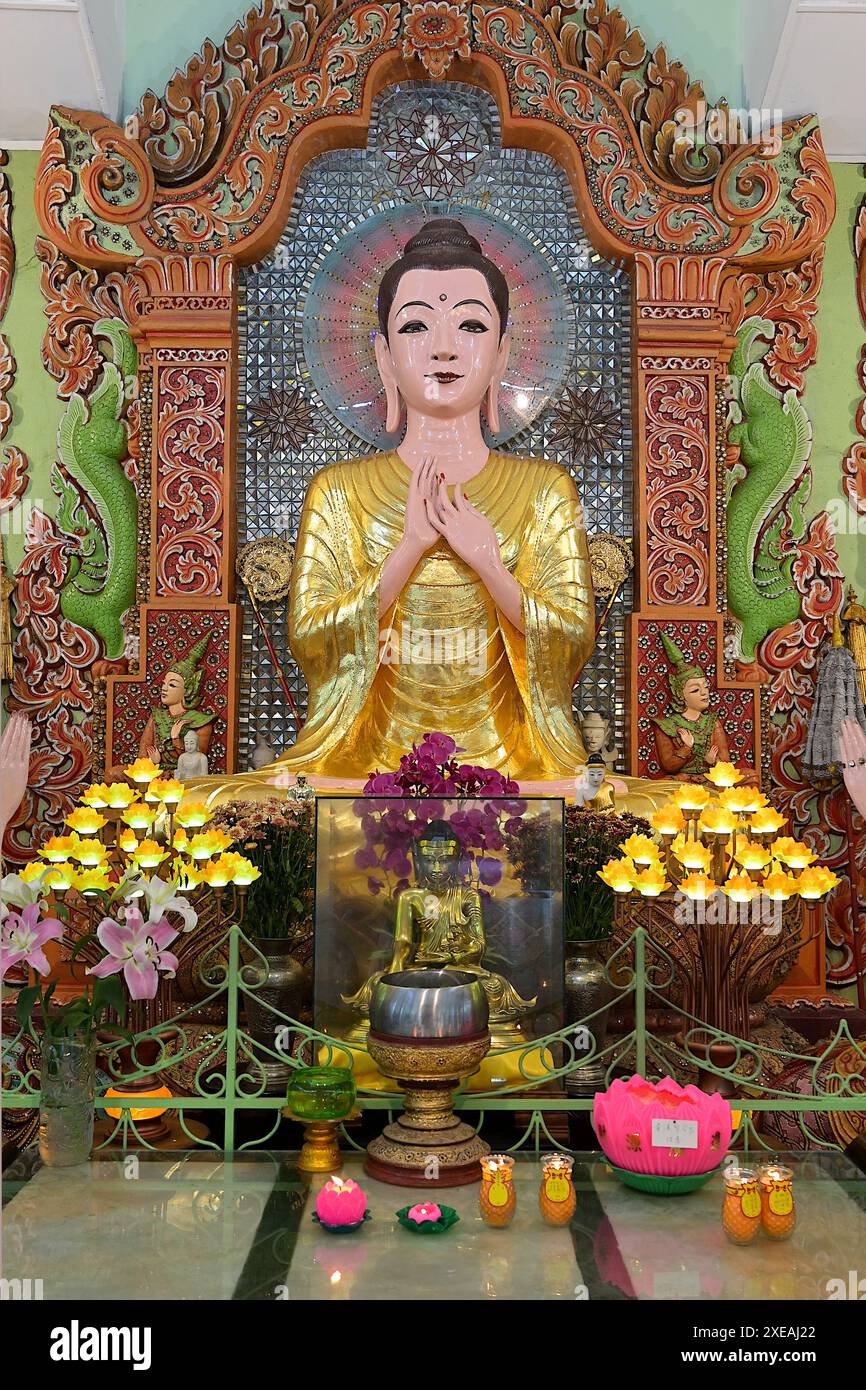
x=22 y=936
x=138 y=949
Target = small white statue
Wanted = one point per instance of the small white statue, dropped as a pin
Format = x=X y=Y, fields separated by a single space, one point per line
x=595 y=731
x=192 y=762
x=589 y=781
x=263 y=753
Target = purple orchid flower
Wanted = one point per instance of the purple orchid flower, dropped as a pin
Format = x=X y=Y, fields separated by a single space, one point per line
x=23 y=935
x=138 y=949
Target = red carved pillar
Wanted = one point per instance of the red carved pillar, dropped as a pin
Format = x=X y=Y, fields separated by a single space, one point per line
x=186 y=334
x=683 y=346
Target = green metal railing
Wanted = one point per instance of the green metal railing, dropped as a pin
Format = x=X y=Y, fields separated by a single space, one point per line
x=225 y=1062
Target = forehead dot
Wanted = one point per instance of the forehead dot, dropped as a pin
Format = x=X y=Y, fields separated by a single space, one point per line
x=442 y=298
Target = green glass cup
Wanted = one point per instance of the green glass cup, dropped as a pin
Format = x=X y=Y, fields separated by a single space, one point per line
x=321 y=1093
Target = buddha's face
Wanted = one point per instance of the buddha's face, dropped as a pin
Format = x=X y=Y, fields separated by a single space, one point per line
x=595 y=777
x=696 y=693
x=173 y=691
x=439 y=861
x=594 y=730
x=443 y=350
x=190 y=741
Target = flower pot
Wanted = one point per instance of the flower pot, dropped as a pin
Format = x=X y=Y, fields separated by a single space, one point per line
x=277 y=981
x=587 y=989
x=66 y=1107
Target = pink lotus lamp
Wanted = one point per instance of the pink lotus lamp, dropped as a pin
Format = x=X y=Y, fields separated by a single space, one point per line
x=341 y=1205
x=661 y=1137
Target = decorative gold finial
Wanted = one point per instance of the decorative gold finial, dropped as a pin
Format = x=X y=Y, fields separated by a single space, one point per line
x=838 y=639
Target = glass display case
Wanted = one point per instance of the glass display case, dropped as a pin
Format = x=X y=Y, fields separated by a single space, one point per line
x=465 y=884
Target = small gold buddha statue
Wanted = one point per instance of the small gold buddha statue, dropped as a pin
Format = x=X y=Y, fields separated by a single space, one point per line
x=439 y=924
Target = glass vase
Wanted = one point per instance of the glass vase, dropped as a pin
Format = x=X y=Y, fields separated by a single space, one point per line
x=66 y=1109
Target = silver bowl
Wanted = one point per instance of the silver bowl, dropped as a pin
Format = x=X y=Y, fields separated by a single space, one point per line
x=429 y=1005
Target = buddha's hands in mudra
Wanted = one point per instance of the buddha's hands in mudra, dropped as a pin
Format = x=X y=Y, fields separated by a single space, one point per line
x=468 y=533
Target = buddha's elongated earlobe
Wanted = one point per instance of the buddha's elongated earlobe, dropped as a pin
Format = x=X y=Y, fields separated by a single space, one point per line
x=492 y=399
x=392 y=395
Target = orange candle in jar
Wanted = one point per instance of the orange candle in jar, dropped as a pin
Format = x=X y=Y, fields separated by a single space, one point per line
x=498 y=1198
x=778 y=1216
x=556 y=1197
x=741 y=1209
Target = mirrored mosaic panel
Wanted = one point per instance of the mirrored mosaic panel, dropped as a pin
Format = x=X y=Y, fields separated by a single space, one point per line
x=433 y=151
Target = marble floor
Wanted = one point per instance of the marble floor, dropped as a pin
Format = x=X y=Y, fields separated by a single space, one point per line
x=210 y=1226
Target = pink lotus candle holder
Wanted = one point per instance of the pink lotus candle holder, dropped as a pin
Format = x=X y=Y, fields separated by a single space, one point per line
x=661 y=1136
x=341 y=1205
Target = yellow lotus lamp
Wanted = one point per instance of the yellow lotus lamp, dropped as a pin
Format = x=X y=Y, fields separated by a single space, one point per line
x=751 y=855
x=717 y=820
x=698 y=887
x=90 y=881
x=95 y=796
x=218 y=873
x=89 y=853
x=85 y=820
x=651 y=882
x=139 y=816
x=740 y=888
x=59 y=848
x=245 y=872
x=723 y=774
x=60 y=876
x=692 y=854
x=792 y=853
x=180 y=841
x=668 y=820
x=192 y=814
x=209 y=844
x=779 y=886
x=142 y=771
x=691 y=797
x=120 y=795
x=641 y=849
x=35 y=869
x=618 y=874
x=127 y=841
x=815 y=882
x=167 y=790
x=149 y=854
x=766 y=821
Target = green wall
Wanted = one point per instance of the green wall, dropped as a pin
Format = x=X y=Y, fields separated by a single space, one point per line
x=160 y=35
x=35 y=408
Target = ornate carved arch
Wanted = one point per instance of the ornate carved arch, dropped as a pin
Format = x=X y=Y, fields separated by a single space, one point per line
x=203 y=179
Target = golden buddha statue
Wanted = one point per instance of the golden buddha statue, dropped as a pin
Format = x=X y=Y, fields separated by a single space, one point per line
x=439 y=925
x=442 y=586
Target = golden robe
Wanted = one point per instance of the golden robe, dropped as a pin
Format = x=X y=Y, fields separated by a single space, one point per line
x=443 y=658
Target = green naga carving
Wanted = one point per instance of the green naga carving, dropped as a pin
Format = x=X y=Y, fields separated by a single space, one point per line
x=92 y=442
x=774 y=435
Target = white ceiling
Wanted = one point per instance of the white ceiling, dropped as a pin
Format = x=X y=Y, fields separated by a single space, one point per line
x=56 y=51
x=799 y=56
x=810 y=55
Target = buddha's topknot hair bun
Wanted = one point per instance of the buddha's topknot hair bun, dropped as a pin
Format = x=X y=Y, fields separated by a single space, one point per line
x=443 y=244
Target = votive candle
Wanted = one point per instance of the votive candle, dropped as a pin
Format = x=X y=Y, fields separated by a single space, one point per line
x=557 y=1198
x=778 y=1214
x=498 y=1198
x=741 y=1209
